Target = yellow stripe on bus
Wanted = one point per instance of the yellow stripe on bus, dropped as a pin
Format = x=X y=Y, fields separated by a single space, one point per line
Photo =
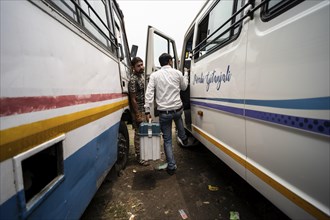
x=16 y=140
x=308 y=207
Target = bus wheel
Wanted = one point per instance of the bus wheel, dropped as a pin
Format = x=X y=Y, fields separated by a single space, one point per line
x=123 y=148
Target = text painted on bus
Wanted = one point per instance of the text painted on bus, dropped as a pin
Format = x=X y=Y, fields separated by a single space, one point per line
x=212 y=77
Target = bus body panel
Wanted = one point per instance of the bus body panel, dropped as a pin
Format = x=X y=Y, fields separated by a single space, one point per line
x=292 y=66
x=56 y=81
x=271 y=122
x=45 y=54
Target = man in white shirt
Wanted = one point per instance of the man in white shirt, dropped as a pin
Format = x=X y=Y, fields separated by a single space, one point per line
x=167 y=83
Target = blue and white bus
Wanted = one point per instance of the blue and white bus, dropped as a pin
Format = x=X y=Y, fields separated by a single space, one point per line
x=64 y=103
x=259 y=95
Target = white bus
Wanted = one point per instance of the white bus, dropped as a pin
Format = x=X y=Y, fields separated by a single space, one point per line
x=260 y=96
x=64 y=73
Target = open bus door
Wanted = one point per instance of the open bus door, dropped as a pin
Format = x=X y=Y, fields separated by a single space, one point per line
x=157 y=43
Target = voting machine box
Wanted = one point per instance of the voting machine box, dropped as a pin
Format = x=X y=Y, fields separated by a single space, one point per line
x=149 y=141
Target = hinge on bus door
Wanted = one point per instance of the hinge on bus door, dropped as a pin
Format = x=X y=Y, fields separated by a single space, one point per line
x=253 y=8
x=249 y=11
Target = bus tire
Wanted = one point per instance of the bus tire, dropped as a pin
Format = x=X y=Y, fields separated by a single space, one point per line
x=122 y=148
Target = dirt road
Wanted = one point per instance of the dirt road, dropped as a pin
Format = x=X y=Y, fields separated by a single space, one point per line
x=203 y=188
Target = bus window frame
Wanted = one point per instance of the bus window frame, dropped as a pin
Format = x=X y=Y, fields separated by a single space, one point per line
x=235 y=24
x=123 y=52
x=27 y=207
x=112 y=44
x=268 y=13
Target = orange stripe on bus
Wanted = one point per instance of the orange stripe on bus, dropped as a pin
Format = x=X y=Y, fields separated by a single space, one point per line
x=308 y=207
x=16 y=140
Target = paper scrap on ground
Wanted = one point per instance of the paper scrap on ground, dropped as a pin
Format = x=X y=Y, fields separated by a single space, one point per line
x=213 y=188
x=183 y=214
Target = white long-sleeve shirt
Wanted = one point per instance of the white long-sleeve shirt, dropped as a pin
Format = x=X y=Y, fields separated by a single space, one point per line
x=167 y=83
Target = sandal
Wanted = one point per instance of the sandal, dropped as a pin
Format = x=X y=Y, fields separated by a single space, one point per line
x=143 y=162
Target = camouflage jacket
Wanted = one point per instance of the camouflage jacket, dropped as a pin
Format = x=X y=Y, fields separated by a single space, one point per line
x=136 y=85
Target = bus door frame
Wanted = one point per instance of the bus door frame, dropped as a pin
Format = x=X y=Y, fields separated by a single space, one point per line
x=151 y=65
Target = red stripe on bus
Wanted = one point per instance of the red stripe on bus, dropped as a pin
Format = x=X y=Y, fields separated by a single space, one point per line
x=20 y=105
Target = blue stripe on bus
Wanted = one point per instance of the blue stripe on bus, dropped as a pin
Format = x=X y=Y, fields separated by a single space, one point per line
x=319 y=126
x=236 y=111
x=9 y=209
x=320 y=103
x=81 y=172
x=236 y=101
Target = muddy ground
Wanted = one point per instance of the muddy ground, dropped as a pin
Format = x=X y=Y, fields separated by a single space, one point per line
x=203 y=188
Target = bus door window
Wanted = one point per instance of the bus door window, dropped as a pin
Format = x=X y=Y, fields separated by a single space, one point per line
x=162 y=45
x=122 y=53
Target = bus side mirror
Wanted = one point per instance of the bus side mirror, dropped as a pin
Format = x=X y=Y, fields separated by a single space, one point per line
x=134 y=50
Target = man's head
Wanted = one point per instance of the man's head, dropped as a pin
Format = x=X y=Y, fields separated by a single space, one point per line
x=166 y=59
x=137 y=65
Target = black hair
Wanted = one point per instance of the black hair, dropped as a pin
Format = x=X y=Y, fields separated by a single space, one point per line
x=164 y=59
x=135 y=60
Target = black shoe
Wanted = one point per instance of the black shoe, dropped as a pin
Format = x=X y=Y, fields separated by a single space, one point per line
x=189 y=141
x=185 y=142
x=171 y=171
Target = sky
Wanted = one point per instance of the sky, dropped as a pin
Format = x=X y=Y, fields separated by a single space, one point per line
x=171 y=17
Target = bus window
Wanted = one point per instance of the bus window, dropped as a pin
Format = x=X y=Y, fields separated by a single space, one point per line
x=217 y=28
x=162 y=46
x=122 y=54
x=93 y=16
x=97 y=15
x=39 y=170
x=273 y=8
x=218 y=16
x=68 y=8
x=202 y=34
x=187 y=51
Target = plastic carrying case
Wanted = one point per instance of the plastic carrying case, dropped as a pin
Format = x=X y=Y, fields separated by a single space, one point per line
x=149 y=141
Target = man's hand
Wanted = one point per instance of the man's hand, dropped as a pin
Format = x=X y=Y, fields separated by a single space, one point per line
x=148 y=117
